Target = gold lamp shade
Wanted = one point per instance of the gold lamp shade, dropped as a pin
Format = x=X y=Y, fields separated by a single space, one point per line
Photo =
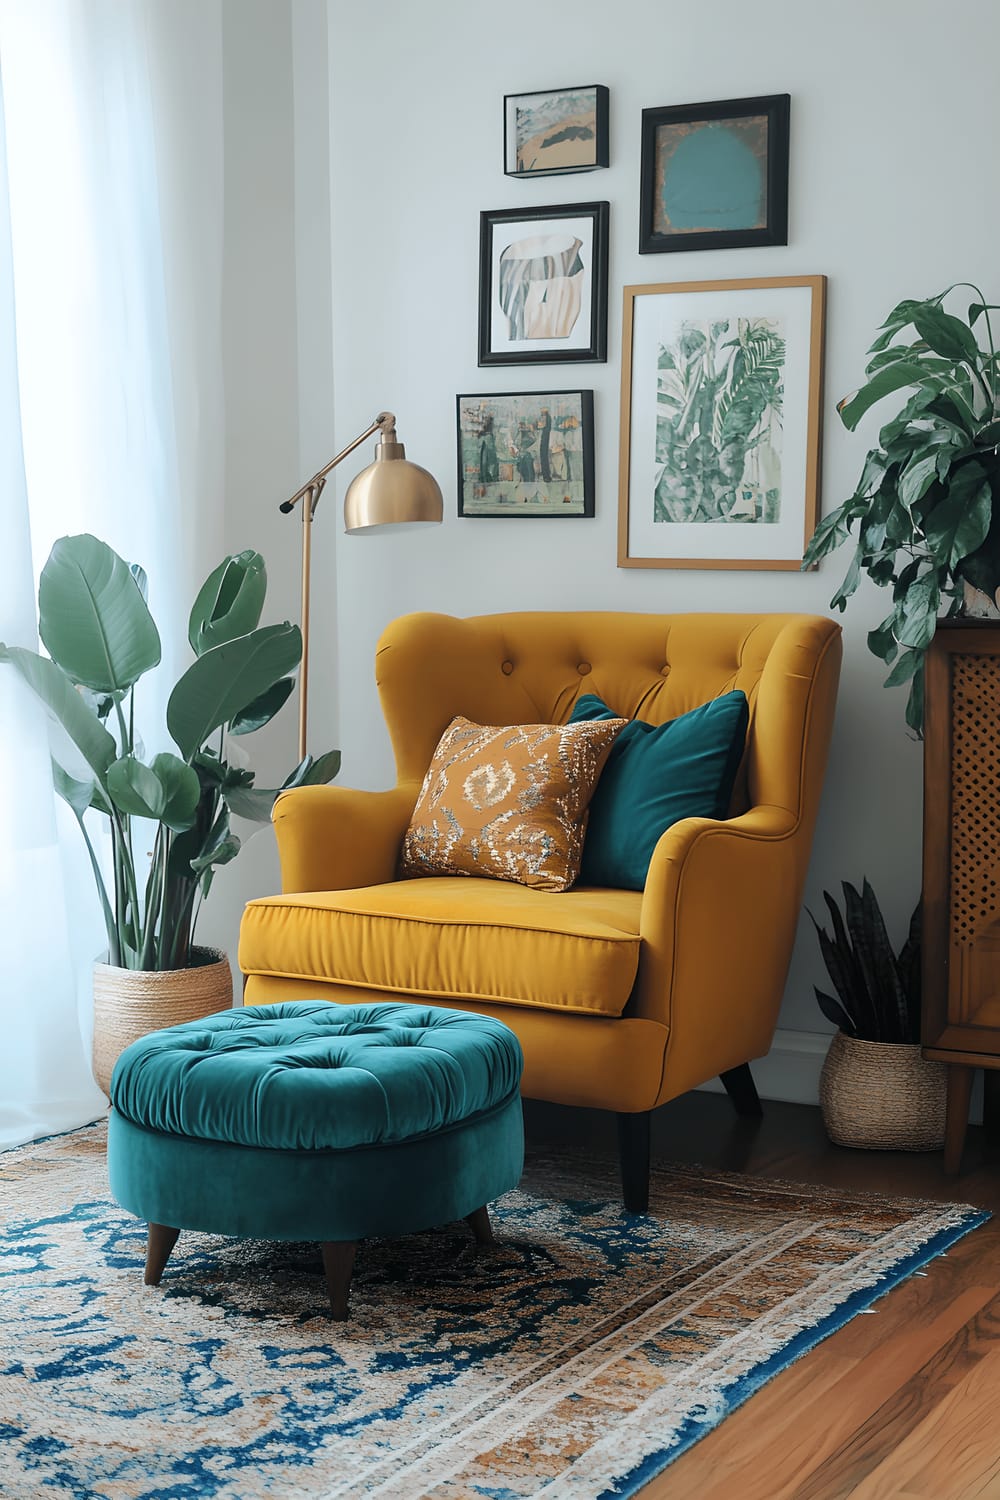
x=391 y=491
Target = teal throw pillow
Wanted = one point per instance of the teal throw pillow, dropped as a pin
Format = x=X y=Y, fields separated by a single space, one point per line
x=655 y=775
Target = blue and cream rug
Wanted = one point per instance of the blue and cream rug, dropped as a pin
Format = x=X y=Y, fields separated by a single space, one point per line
x=575 y=1360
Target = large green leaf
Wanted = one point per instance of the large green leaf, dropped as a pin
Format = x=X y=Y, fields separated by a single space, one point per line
x=849 y=585
x=919 y=607
x=168 y=790
x=917 y=478
x=893 y=378
x=946 y=334
x=263 y=709
x=92 y=617
x=50 y=684
x=909 y=663
x=256 y=803
x=79 y=794
x=958 y=526
x=229 y=602
x=220 y=684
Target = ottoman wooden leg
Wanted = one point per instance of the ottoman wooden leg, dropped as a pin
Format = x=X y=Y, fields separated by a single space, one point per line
x=479 y=1222
x=161 y=1241
x=338 y=1263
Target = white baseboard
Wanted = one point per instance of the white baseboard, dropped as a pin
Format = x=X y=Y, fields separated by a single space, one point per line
x=791 y=1069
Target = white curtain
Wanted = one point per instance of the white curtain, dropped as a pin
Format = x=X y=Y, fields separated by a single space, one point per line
x=111 y=207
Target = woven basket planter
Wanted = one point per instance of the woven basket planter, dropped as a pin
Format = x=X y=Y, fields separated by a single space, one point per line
x=882 y=1096
x=129 y=1003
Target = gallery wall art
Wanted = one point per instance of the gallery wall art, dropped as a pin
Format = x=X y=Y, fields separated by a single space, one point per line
x=543 y=284
x=559 y=131
x=714 y=176
x=720 y=423
x=526 y=453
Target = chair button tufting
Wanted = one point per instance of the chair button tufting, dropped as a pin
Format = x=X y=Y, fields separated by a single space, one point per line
x=506 y=668
x=583 y=668
x=664 y=670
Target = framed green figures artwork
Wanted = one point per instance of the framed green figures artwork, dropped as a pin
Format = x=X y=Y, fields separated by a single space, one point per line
x=720 y=423
x=714 y=176
x=526 y=453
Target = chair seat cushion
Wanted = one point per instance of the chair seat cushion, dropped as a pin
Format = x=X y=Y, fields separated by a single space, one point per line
x=454 y=937
x=311 y=1076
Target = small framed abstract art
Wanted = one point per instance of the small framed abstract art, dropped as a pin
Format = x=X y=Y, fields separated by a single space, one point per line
x=526 y=453
x=714 y=176
x=720 y=423
x=543 y=284
x=554 y=133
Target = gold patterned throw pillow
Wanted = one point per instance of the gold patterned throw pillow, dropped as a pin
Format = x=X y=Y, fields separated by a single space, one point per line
x=508 y=803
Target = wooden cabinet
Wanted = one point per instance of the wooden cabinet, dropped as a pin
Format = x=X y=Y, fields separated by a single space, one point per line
x=961 y=875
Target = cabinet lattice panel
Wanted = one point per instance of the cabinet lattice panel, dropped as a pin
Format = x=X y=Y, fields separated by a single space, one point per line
x=975 y=795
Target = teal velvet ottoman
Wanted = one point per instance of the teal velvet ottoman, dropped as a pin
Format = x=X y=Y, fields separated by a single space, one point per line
x=315 y=1121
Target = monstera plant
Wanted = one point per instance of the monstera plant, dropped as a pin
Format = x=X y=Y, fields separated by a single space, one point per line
x=101 y=639
x=927 y=525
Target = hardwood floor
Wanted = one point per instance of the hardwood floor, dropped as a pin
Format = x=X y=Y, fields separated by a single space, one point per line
x=902 y=1402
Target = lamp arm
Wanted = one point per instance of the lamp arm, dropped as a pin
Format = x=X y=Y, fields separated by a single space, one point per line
x=385 y=423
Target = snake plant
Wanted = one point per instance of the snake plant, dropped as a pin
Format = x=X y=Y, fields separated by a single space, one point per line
x=95 y=623
x=878 y=991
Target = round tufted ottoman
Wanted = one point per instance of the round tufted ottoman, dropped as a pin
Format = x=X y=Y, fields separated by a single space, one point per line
x=315 y=1121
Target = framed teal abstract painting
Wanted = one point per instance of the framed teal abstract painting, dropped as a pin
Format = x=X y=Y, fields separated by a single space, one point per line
x=714 y=176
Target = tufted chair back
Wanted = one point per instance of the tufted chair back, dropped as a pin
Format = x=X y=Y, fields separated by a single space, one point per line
x=532 y=667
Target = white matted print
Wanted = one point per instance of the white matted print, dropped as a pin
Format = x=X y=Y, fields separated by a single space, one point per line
x=721 y=387
x=543 y=292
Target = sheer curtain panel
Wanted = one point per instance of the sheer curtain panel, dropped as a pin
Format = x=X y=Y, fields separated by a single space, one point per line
x=110 y=422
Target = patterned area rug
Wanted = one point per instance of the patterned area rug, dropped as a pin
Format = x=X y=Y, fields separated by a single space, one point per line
x=575 y=1360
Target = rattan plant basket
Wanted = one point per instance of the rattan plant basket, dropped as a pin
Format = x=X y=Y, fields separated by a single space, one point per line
x=882 y=1096
x=129 y=1003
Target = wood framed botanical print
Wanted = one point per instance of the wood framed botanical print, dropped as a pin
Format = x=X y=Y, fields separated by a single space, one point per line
x=526 y=453
x=543 y=284
x=552 y=133
x=720 y=423
x=714 y=176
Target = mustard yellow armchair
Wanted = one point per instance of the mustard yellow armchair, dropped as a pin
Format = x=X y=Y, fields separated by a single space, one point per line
x=621 y=999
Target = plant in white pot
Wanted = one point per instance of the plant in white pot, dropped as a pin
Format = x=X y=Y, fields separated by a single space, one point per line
x=876 y=1091
x=169 y=817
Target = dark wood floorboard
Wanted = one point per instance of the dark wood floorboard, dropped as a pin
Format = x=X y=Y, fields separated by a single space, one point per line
x=900 y=1404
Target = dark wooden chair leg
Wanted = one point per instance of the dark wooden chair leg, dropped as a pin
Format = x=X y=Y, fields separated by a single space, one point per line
x=957 y=1118
x=742 y=1090
x=159 y=1243
x=633 y=1151
x=991 y=1104
x=479 y=1222
x=338 y=1263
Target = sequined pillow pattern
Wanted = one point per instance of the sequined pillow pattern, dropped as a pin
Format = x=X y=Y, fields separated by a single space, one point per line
x=508 y=802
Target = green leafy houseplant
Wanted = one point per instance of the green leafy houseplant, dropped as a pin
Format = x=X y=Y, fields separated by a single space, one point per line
x=878 y=991
x=924 y=507
x=96 y=626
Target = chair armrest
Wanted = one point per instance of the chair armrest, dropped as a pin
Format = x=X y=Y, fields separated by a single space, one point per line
x=718 y=919
x=332 y=838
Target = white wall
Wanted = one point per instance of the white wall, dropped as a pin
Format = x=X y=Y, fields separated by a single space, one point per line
x=893 y=112
x=276 y=343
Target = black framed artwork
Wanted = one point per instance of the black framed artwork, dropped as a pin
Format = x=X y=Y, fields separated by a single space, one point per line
x=526 y=453
x=553 y=132
x=543 y=284
x=714 y=176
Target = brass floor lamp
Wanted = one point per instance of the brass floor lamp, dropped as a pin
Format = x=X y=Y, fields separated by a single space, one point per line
x=390 y=492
